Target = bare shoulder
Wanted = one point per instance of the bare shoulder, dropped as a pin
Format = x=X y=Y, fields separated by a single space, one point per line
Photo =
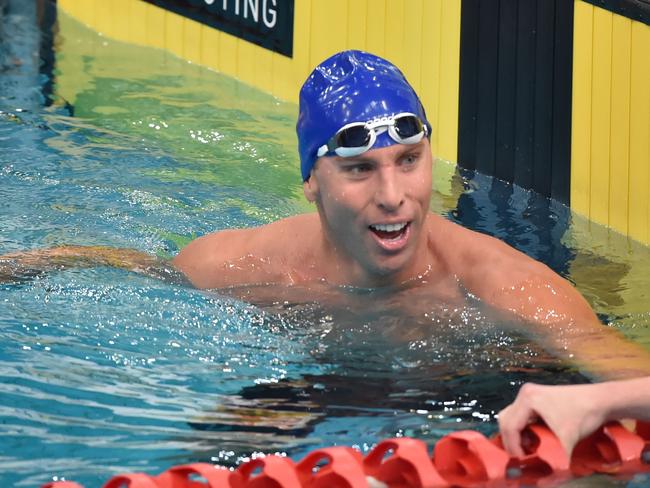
x=245 y=256
x=467 y=251
x=509 y=279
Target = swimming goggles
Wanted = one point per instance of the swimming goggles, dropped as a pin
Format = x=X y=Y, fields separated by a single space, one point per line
x=356 y=138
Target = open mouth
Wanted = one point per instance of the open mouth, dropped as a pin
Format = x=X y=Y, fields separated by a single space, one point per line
x=390 y=232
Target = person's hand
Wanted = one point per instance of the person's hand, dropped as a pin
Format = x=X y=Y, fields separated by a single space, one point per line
x=572 y=412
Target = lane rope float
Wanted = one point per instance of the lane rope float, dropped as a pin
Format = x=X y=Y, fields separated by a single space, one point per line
x=461 y=459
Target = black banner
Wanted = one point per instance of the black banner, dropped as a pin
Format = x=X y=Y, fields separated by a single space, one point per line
x=267 y=23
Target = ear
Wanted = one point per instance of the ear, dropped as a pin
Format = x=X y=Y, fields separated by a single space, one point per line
x=310 y=188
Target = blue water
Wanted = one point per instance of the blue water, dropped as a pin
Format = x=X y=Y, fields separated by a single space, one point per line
x=104 y=371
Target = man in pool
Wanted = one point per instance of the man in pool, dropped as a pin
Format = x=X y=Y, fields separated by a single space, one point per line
x=364 y=143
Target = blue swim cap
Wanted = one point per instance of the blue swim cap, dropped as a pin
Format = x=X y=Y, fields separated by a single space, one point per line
x=351 y=86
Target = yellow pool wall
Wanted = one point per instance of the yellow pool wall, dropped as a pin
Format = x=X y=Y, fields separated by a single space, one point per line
x=610 y=155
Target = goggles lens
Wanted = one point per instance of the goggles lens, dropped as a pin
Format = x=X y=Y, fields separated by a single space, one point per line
x=358 y=137
x=355 y=136
x=407 y=127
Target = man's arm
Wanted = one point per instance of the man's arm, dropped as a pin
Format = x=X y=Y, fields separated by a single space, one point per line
x=19 y=266
x=509 y=280
x=561 y=316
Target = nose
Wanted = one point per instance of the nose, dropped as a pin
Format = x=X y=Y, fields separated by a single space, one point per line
x=390 y=190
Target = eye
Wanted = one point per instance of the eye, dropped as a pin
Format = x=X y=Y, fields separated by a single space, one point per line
x=410 y=159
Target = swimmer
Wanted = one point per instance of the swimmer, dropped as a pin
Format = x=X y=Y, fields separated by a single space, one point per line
x=366 y=163
x=573 y=412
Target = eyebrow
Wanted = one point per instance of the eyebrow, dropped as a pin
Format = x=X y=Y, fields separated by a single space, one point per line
x=355 y=159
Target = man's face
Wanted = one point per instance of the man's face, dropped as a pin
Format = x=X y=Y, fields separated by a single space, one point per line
x=373 y=208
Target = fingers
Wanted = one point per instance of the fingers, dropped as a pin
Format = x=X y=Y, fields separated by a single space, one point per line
x=512 y=421
x=515 y=418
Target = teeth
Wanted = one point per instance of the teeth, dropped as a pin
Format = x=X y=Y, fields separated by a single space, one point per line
x=389 y=227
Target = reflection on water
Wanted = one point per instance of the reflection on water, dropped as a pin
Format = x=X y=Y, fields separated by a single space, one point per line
x=114 y=362
x=102 y=371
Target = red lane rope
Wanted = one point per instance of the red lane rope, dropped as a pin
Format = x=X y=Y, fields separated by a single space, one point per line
x=461 y=459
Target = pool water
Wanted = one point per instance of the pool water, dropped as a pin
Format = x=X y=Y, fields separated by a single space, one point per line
x=105 y=371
